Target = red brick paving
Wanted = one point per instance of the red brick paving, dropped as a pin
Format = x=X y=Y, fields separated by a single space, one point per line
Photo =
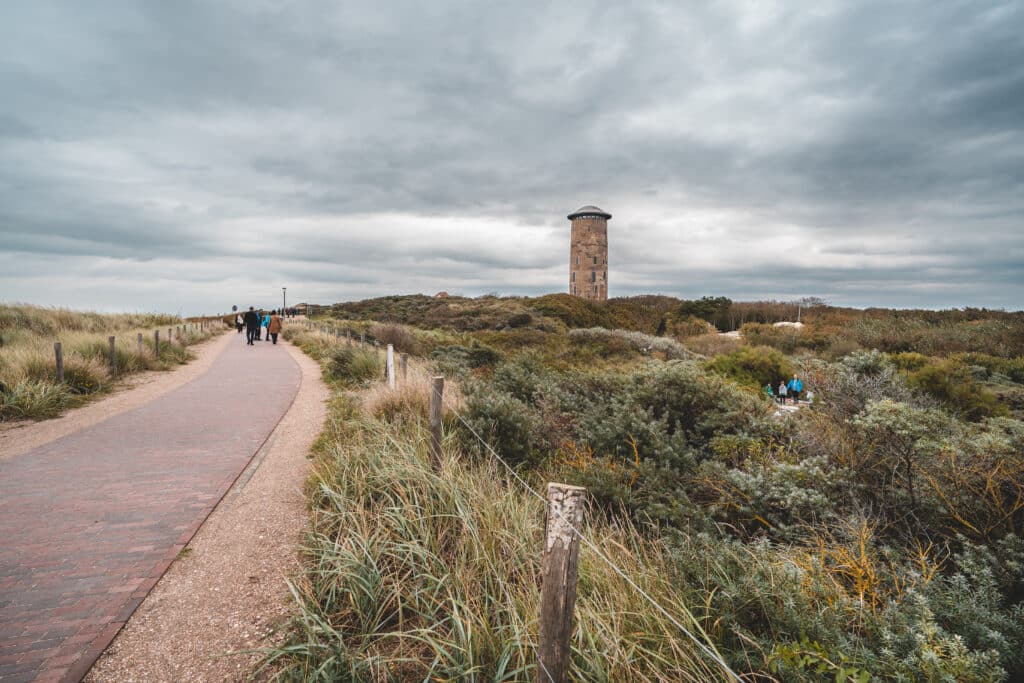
x=89 y=522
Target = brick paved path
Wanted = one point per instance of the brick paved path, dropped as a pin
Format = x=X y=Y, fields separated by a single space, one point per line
x=89 y=522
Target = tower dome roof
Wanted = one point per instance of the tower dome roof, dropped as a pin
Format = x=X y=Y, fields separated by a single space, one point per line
x=589 y=210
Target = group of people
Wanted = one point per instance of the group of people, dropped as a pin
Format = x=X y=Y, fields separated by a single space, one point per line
x=786 y=390
x=255 y=322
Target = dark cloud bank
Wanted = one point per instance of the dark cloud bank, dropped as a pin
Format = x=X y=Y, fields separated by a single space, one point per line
x=186 y=156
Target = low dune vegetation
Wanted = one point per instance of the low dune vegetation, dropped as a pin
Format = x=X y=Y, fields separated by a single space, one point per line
x=877 y=533
x=28 y=370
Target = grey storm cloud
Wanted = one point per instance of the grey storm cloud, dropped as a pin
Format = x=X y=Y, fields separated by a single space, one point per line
x=185 y=156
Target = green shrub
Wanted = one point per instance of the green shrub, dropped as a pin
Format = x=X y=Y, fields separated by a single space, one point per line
x=507 y=424
x=910 y=361
x=85 y=376
x=951 y=382
x=624 y=342
x=400 y=336
x=520 y=320
x=783 y=338
x=574 y=311
x=753 y=365
x=476 y=355
x=1011 y=368
x=34 y=399
x=354 y=365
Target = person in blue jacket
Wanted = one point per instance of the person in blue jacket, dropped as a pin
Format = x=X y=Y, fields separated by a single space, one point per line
x=795 y=386
x=265 y=324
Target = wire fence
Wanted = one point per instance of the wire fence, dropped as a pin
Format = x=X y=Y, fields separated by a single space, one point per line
x=589 y=543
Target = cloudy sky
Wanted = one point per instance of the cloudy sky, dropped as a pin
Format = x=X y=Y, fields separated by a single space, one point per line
x=186 y=156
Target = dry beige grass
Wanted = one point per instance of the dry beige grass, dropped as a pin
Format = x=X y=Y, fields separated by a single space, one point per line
x=410 y=396
x=712 y=344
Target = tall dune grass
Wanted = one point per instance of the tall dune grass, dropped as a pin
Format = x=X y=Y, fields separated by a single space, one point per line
x=412 y=575
x=28 y=367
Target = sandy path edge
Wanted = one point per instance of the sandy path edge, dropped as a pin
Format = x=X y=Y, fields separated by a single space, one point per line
x=227 y=593
x=22 y=436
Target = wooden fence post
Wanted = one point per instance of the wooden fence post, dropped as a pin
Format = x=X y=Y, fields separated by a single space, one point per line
x=139 y=339
x=436 y=396
x=362 y=338
x=391 y=366
x=113 y=354
x=559 y=573
x=170 y=335
x=60 y=361
x=405 y=366
x=156 y=342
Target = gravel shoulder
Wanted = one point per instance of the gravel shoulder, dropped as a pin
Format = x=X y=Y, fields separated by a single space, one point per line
x=226 y=594
x=134 y=391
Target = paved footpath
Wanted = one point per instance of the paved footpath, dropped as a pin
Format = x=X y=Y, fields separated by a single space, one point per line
x=90 y=522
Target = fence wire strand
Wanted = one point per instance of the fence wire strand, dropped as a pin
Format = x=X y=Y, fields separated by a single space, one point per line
x=597 y=551
x=593 y=546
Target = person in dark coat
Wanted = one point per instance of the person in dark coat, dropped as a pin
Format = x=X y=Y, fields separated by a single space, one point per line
x=252 y=326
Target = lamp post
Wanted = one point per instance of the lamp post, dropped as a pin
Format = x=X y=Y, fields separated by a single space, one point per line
x=284 y=301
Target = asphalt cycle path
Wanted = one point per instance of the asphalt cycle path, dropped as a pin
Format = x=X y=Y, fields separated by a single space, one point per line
x=91 y=521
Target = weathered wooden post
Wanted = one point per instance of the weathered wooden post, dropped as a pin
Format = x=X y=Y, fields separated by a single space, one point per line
x=139 y=340
x=362 y=337
x=156 y=342
x=436 y=397
x=170 y=335
x=60 y=361
x=390 y=365
x=405 y=366
x=559 y=572
x=113 y=354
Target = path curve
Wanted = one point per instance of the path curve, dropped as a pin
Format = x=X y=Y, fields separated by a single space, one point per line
x=90 y=521
x=218 y=606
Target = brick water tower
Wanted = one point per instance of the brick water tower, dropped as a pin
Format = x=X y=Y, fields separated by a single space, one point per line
x=588 y=254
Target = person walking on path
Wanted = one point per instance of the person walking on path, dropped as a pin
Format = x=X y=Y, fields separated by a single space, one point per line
x=266 y=323
x=274 y=327
x=239 y=322
x=782 y=392
x=252 y=326
x=768 y=390
x=795 y=386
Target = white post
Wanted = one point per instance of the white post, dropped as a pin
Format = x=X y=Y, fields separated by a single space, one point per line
x=391 y=366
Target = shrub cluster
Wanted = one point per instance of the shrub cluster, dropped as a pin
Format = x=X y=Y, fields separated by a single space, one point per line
x=871 y=500
x=753 y=366
x=873 y=536
x=621 y=342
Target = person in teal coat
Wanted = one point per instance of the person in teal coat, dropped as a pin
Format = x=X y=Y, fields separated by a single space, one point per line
x=265 y=324
x=795 y=386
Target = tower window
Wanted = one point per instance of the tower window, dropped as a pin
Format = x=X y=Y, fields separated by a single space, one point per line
x=595 y=260
x=574 y=276
x=593 y=276
x=577 y=259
